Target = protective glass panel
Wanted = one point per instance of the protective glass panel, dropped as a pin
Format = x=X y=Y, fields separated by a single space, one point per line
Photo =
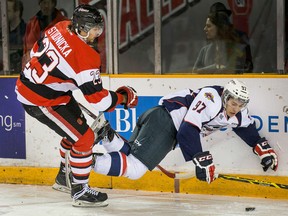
x=196 y=41
x=136 y=37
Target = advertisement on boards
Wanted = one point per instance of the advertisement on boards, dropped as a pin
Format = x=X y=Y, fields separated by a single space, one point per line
x=124 y=121
x=12 y=122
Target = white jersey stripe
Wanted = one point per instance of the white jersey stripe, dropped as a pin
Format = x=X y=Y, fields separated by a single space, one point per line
x=64 y=126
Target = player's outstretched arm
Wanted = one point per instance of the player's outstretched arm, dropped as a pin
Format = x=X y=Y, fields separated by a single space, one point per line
x=204 y=166
x=266 y=154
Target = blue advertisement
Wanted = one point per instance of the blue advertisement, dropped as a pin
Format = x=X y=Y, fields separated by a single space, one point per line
x=124 y=121
x=12 y=122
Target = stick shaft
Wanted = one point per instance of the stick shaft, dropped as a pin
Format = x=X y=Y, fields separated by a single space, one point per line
x=253 y=181
x=83 y=108
x=188 y=175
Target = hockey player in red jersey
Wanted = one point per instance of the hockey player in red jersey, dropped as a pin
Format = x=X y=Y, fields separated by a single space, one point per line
x=64 y=60
x=183 y=117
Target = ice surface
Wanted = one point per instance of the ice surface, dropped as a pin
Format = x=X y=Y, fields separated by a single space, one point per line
x=31 y=200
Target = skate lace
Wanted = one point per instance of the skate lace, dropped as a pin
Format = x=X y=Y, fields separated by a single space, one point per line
x=91 y=191
x=86 y=189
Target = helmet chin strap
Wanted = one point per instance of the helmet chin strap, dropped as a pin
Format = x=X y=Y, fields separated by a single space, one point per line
x=82 y=37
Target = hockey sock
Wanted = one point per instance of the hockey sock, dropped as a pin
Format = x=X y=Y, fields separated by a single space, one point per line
x=112 y=164
x=65 y=146
x=80 y=166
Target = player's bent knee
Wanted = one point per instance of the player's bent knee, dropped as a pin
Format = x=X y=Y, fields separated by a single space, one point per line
x=85 y=143
x=135 y=168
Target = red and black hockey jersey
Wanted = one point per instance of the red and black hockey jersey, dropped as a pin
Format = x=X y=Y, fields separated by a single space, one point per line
x=60 y=63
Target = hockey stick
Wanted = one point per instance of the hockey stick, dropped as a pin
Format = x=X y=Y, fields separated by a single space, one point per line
x=87 y=111
x=67 y=169
x=97 y=119
x=224 y=176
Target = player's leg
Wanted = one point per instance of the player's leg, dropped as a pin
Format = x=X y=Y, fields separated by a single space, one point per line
x=42 y=115
x=111 y=140
x=69 y=122
x=152 y=138
x=80 y=162
x=119 y=164
x=115 y=162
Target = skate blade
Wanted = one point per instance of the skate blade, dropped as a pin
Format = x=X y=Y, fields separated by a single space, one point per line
x=81 y=203
x=61 y=188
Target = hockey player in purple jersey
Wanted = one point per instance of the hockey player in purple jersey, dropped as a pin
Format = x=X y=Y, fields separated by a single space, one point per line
x=183 y=117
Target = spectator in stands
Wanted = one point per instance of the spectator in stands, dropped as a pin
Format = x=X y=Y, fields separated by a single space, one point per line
x=225 y=52
x=220 y=7
x=17 y=28
x=46 y=17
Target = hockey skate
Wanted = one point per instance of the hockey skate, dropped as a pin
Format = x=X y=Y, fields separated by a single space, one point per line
x=104 y=132
x=84 y=196
x=61 y=183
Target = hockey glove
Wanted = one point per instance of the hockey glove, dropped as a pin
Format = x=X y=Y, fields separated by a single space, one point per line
x=130 y=94
x=204 y=166
x=266 y=154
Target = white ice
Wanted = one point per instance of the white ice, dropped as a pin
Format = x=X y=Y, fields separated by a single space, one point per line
x=31 y=200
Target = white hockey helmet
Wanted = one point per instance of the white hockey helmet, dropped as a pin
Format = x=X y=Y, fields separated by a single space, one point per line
x=237 y=90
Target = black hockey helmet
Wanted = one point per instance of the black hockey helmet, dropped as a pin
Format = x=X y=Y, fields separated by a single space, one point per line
x=86 y=17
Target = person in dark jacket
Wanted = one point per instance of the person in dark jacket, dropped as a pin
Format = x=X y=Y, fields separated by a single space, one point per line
x=46 y=17
x=220 y=7
x=17 y=27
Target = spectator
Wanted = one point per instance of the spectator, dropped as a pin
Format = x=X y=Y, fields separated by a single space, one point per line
x=48 y=16
x=225 y=52
x=17 y=28
x=220 y=7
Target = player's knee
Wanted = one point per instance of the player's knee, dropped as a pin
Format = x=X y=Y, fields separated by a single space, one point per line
x=85 y=143
x=135 y=168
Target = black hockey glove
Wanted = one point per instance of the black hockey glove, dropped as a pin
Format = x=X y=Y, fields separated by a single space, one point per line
x=204 y=166
x=266 y=154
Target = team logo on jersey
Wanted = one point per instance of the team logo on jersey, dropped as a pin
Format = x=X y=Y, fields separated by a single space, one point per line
x=209 y=96
x=79 y=121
